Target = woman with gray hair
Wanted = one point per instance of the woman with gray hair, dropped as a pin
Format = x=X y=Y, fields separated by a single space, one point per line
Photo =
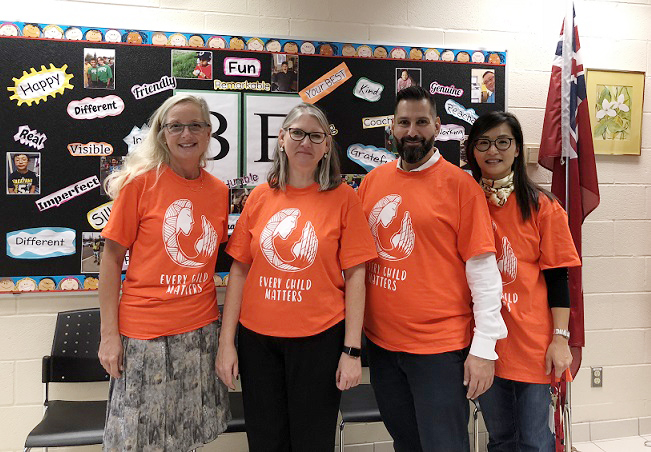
x=159 y=337
x=297 y=289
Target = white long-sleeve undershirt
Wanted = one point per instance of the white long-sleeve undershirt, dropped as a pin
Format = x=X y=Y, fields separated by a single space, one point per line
x=485 y=285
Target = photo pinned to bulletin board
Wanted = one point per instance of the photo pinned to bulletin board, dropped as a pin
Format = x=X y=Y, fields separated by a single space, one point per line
x=77 y=101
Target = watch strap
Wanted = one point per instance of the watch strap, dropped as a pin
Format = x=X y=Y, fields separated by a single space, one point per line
x=352 y=351
x=562 y=332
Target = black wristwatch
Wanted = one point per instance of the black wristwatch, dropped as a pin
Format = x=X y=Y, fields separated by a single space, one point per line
x=352 y=351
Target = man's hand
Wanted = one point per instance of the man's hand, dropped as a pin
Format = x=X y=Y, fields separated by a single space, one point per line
x=477 y=375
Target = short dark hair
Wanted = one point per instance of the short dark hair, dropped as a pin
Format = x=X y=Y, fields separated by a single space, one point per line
x=285 y=63
x=487 y=72
x=416 y=93
x=526 y=191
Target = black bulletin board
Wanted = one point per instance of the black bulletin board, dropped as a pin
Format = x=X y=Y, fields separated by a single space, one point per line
x=243 y=132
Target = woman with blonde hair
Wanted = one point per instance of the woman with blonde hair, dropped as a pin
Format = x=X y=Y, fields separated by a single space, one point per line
x=297 y=290
x=159 y=337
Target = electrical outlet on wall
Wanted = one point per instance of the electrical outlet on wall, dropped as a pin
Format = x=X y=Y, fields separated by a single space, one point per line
x=531 y=151
x=596 y=377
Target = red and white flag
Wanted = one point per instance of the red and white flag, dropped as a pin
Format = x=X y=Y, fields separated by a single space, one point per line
x=566 y=149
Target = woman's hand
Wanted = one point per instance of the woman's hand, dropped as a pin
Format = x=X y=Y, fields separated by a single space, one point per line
x=558 y=356
x=349 y=372
x=111 y=354
x=226 y=364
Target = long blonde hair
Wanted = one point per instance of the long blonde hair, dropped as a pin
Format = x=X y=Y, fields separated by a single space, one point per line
x=153 y=152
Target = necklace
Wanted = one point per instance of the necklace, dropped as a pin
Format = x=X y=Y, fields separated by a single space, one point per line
x=193 y=186
x=189 y=183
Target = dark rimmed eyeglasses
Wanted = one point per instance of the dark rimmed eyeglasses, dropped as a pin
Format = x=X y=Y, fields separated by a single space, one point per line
x=501 y=144
x=176 y=128
x=299 y=135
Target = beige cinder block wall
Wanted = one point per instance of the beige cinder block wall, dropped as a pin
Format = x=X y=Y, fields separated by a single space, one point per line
x=617 y=250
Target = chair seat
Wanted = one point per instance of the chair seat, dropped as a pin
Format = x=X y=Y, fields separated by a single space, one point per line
x=358 y=405
x=69 y=423
x=236 y=424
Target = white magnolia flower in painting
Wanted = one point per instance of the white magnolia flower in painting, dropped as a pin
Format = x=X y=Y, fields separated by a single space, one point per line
x=606 y=109
x=619 y=104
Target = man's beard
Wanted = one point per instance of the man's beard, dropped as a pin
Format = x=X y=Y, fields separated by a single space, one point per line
x=414 y=154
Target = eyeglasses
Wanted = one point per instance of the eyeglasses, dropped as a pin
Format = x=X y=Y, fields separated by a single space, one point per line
x=299 y=135
x=176 y=128
x=501 y=144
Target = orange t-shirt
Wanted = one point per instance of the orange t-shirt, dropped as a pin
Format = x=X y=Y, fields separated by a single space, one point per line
x=173 y=228
x=297 y=242
x=523 y=251
x=426 y=225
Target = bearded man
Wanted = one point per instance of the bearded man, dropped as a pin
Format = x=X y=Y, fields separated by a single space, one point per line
x=435 y=277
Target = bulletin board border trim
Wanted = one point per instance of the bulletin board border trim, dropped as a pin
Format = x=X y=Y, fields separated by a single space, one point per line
x=32 y=30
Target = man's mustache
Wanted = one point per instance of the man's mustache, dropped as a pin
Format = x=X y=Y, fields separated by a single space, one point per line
x=413 y=139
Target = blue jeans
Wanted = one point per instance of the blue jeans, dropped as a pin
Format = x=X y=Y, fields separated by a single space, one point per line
x=422 y=399
x=517 y=417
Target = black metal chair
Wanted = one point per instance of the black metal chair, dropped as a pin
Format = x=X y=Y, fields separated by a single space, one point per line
x=73 y=360
x=475 y=423
x=358 y=404
x=236 y=424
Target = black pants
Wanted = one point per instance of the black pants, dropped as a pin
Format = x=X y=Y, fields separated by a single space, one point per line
x=422 y=399
x=289 y=390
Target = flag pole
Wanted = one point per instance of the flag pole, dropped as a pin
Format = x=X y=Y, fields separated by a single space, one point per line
x=567 y=408
x=567 y=415
x=568 y=46
x=567 y=140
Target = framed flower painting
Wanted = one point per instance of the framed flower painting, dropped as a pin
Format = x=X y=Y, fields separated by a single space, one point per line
x=615 y=100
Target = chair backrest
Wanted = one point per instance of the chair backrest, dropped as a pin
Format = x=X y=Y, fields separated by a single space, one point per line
x=74 y=349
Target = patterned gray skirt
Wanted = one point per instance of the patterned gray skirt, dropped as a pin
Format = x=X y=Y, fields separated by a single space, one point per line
x=168 y=398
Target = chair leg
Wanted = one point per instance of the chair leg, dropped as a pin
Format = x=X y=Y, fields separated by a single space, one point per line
x=475 y=430
x=341 y=435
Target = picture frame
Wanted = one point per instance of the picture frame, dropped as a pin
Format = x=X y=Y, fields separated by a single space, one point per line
x=615 y=102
